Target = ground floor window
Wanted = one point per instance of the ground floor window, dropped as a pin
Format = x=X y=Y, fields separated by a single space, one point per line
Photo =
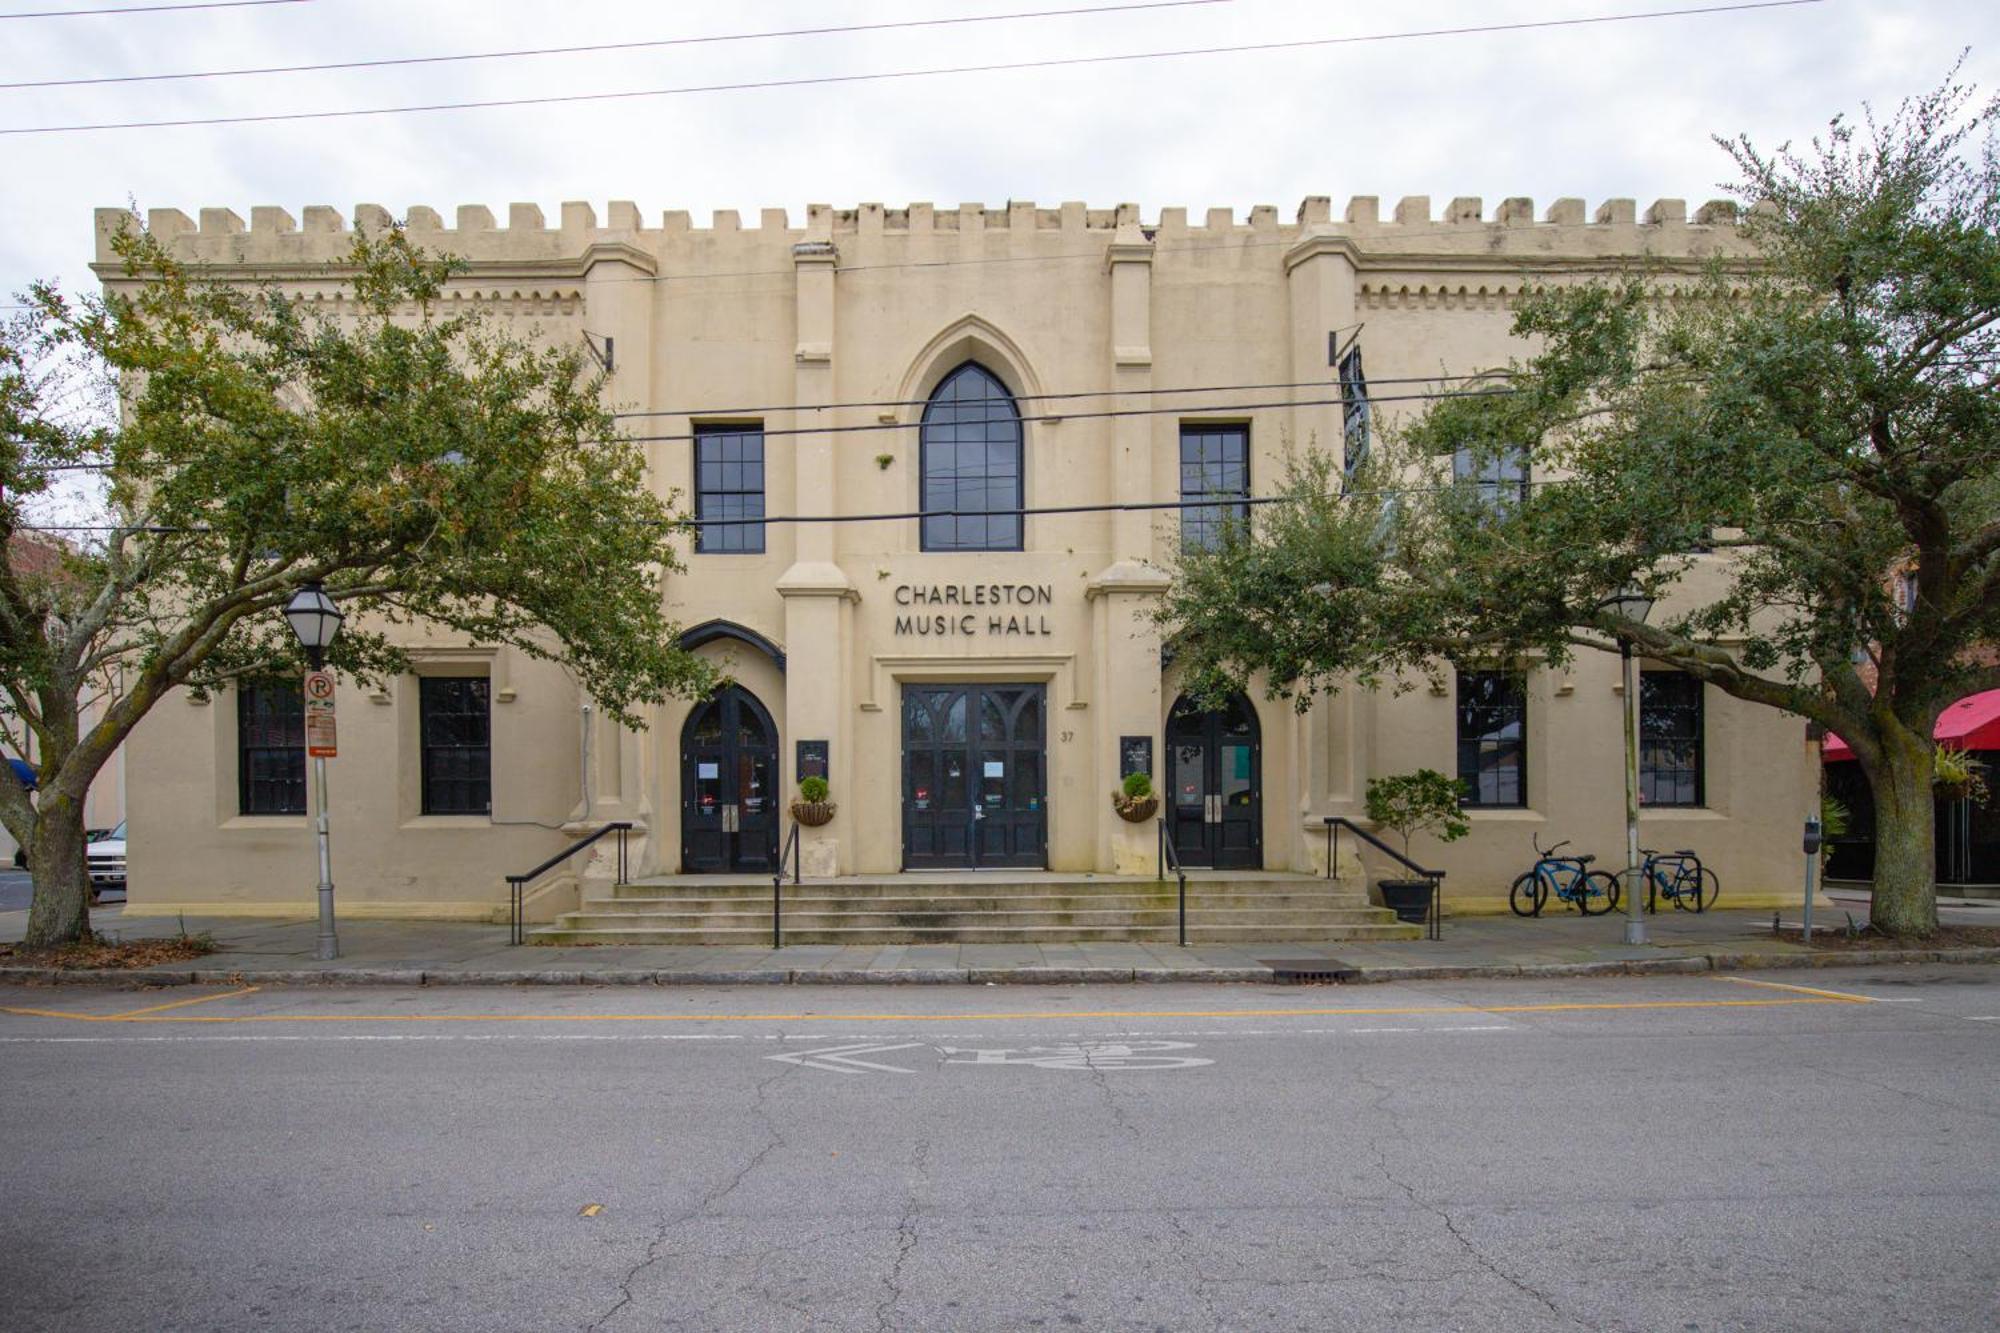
x=270 y=748
x=1493 y=738
x=456 y=725
x=1670 y=737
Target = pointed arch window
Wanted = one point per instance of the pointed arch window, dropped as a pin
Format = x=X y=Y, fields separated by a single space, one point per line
x=971 y=464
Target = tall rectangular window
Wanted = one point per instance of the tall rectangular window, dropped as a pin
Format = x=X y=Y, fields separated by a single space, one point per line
x=1500 y=475
x=1669 y=738
x=1215 y=465
x=1493 y=738
x=728 y=488
x=270 y=748
x=455 y=719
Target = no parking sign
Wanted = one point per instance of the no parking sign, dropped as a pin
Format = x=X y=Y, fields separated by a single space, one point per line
x=321 y=742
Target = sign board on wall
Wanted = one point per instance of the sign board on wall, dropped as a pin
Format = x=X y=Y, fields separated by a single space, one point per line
x=321 y=740
x=813 y=761
x=1135 y=755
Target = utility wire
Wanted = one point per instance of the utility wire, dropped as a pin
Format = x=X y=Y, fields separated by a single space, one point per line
x=612 y=46
x=144 y=9
x=824 y=80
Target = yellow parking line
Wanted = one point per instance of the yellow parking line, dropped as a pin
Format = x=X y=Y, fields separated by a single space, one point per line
x=997 y=1016
x=1804 y=990
x=181 y=1004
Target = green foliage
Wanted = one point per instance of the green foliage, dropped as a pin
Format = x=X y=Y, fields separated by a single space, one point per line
x=1758 y=443
x=1138 y=786
x=424 y=468
x=1955 y=767
x=1835 y=819
x=812 y=790
x=1425 y=801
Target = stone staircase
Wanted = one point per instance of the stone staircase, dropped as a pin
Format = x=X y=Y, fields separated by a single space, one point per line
x=992 y=907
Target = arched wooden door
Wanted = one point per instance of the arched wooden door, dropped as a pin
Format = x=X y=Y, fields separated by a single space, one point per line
x=729 y=785
x=1215 y=781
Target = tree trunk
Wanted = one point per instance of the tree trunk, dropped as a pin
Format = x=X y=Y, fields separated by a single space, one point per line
x=60 y=911
x=1905 y=895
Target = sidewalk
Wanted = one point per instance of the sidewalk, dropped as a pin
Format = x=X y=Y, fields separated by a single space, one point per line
x=452 y=953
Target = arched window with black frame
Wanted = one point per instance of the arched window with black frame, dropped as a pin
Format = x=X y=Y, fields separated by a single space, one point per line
x=971 y=464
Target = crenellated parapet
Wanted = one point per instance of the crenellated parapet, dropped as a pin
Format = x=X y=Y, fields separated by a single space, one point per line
x=527 y=239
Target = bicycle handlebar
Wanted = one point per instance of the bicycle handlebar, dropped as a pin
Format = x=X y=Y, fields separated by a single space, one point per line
x=1535 y=840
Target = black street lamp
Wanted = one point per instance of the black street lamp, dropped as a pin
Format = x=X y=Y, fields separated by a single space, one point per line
x=316 y=621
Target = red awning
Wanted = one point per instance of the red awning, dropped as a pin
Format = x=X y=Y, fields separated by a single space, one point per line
x=1973 y=723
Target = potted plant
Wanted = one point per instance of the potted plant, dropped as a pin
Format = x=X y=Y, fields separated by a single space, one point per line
x=812 y=808
x=1425 y=801
x=1136 y=802
x=1958 y=776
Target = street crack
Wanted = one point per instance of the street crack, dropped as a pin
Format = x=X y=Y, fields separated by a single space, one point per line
x=906 y=1242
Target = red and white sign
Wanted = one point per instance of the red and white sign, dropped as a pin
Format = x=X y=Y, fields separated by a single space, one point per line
x=321 y=741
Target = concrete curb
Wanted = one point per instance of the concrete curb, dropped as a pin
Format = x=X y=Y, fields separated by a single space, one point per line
x=1741 y=961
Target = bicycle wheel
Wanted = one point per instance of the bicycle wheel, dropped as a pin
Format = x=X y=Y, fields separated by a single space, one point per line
x=1705 y=890
x=1597 y=894
x=1528 y=894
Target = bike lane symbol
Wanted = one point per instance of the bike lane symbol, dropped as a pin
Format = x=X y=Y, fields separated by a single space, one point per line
x=1082 y=1055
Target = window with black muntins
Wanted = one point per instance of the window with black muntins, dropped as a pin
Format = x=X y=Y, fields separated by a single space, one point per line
x=728 y=488
x=1500 y=476
x=1215 y=465
x=270 y=748
x=1670 y=735
x=971 y=464
x=455 y=718
x=1492 y=738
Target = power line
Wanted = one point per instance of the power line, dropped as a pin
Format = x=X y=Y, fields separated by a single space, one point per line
x=1044 y=397
x=1181 y=409
x=144 y=9
x=612 y=46
x=824 y=80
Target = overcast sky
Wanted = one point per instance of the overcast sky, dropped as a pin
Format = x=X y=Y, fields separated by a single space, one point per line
x=1593 y=110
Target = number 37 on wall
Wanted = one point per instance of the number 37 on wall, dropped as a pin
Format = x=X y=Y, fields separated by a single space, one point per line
x=1068 y=736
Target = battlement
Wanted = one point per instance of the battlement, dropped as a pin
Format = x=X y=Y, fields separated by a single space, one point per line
x=322 y=234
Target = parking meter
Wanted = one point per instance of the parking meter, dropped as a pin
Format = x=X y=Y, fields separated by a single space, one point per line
x=1812 y=835
x=1812 y=841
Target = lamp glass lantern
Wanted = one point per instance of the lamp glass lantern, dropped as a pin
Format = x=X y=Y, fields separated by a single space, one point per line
x=1630 y=602
x=315 y=620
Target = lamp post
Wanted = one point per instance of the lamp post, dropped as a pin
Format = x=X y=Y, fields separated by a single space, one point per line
x=1631 y=603
x=315 y=620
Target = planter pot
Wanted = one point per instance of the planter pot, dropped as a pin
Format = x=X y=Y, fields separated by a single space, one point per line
x=1409 y=899
x=813 y=813
x=1135 y=809
x=1953 y=791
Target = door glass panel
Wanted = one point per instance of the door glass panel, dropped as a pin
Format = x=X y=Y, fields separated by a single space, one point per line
x=993 y=783
x=916 y=718
x=753 y=777
x=954 y=796
x=1028 y=780
x=707 y=726
x=992 y=716
x=954 y=719
x=923 y=770
x=707 y=786
x=1189 y=783
x=1028 y=726
x=1238 y=763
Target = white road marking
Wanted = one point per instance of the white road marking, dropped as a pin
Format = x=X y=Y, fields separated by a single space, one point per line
x=840 y=1059
x=1983 y=1018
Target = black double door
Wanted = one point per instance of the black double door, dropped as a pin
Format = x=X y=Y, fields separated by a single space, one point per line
x=1215 y=783
x=729 y=785
x=975 y=793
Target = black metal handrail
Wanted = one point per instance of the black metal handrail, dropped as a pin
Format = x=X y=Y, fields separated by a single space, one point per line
x=517 y=884
x=1170 y=856
x=1434 y=923
x=791 y=850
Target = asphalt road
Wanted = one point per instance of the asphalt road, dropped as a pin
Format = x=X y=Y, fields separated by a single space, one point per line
x=1676 y=1153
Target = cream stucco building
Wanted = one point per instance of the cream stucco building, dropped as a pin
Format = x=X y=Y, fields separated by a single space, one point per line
x=971 y=685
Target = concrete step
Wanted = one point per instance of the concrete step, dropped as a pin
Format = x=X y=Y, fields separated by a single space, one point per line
x=937 y=917
x=761 y=938
x=978 y=886
x=816 y=902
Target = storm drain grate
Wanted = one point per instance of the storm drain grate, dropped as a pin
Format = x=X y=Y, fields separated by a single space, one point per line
x=1303 y=971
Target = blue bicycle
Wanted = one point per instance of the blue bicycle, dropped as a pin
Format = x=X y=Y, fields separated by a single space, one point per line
x=1569 y=878
x=1679 y=877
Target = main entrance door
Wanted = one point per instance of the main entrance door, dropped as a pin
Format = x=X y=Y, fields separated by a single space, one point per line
x=974 y=793
x=729 y=785
x=1217 y=780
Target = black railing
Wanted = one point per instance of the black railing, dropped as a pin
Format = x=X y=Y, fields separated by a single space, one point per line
x=1170 y=856
x=1434 y=918
x=789 y=851
x=517 y=884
